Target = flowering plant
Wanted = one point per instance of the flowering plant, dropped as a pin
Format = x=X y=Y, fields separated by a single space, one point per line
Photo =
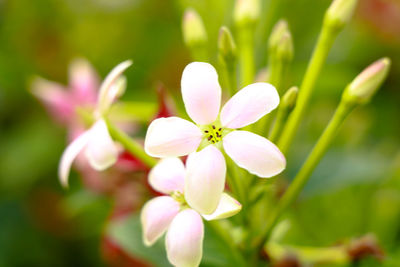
x=203 y=172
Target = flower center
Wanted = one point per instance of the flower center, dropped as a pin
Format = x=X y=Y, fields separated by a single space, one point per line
x=214 y=134
x=178 y=197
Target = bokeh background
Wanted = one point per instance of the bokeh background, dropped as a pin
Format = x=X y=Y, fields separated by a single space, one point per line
x=354 y=191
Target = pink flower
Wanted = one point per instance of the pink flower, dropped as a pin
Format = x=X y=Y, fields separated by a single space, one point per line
x=100 y=150
x=172 y=214
x=62 y=101
x=216 y=130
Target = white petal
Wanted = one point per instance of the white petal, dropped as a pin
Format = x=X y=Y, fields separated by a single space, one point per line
x=201 y=92
x=70 y=153
x=168 y=176
x=156 y=216
x=254 y=153
x=205 y=179
x=105 y=97
x=249 y=105
x=227 y=207
x=101 y=150
x=184 y=241
x=172 y=137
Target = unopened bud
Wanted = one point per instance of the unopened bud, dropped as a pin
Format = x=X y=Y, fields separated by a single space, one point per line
x=289 y=98
x=339 y=13
x=226 y=46
x=246 y=12
x=280 y=44
x=285 y=50
x=194 y=33
x=366 y=84
x=280 y=28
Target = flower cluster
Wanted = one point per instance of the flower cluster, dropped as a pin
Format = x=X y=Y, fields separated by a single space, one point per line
x=199 y=188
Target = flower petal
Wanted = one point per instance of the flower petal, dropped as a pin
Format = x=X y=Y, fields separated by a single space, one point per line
x=105 y=96
x=205 y=179
x=172 y=137
x=70 y=153
x=168 y=176
x=101 y=150
x=55 y=97
x=227 y=207
x=84 y=81
x=156 y=216
x=184 y=241
x=201 y=92
x=254 y=153
x=249 y=105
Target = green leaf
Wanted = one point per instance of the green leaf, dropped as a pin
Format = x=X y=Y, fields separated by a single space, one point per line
x=127 y=233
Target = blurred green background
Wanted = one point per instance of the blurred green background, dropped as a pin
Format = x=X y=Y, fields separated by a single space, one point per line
x=354 y=191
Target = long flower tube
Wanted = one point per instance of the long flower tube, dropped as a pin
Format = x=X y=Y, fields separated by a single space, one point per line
x=214 y=131
x=172 y=214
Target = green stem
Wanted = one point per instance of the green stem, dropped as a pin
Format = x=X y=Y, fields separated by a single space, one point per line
x=324 y=44
x=246 y=54
x=281 y=118
x=232 y=82
x=235 y=181
x=129 y=144
x=308 y=167
x=267 y=19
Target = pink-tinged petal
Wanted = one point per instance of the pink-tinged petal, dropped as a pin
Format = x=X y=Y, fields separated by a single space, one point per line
x=55 y=97
x=101 y=150
x=70 y=153
x=249 y=105
x=168 y=176
x=172 y=137
x=201 y=92
x=156 y=216
x=84 y=81
x=254 y=153
x=184 y=241
x=227 y=207
x=205 y=179
x=106 y=95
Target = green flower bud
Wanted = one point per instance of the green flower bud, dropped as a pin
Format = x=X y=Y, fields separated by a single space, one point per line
x=339 y=13
x=280 y=28
x=285 y=50
x=366 y=84
x=194 y=33
x=226 y=46
x=246 y=12
x=289 y=99
x=280 y=44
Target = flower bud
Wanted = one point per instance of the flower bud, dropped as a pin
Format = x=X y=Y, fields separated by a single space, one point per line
x=279 y=29
x=246 y=12
x=194 y=33
x=226 y=46
x=366 y=84
x=289 y=98
x=339 y=13
x=285 y=50
x=280 y=43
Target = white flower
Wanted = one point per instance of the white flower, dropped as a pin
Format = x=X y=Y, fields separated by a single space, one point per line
x=171 y=214
x=99 y=148
x=214 y=130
